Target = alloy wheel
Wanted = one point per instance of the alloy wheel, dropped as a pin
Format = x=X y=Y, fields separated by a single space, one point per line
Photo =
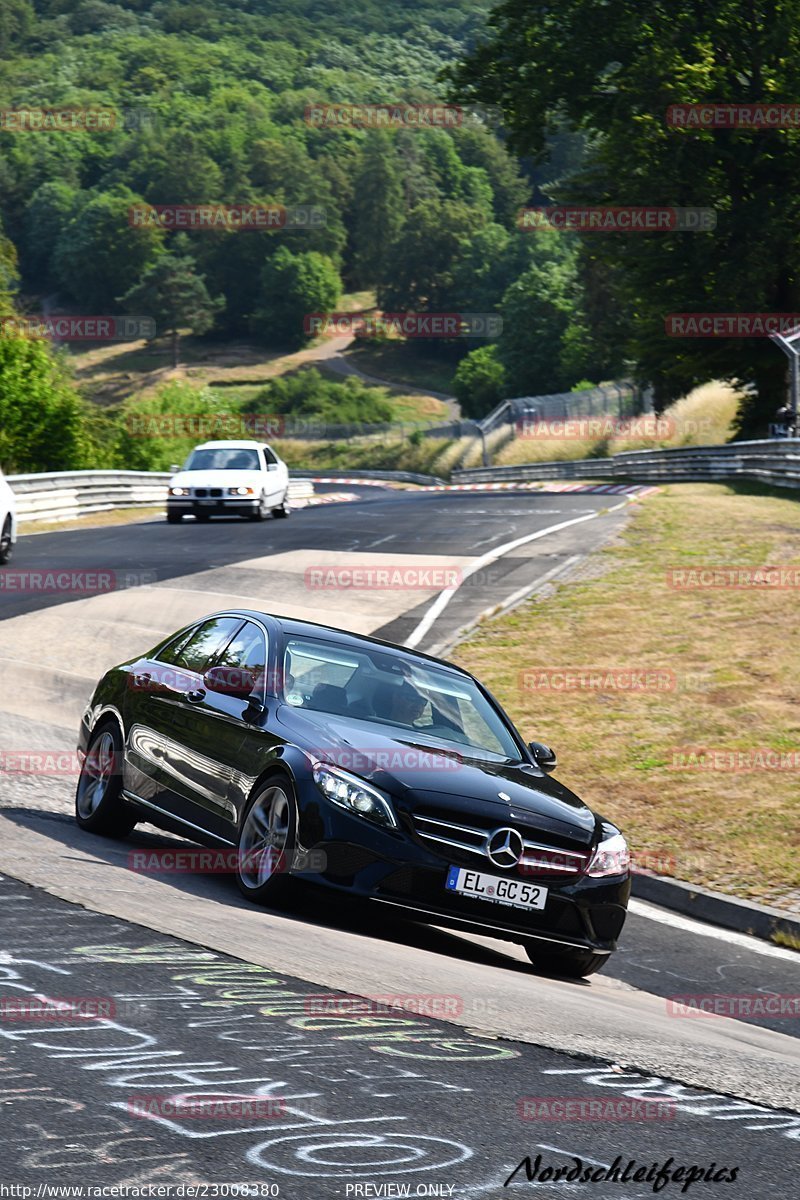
x=98 y=770
x=262 y=846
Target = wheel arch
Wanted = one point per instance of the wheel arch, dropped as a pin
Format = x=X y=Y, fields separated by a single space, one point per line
x=287 y=761
x=108 y=714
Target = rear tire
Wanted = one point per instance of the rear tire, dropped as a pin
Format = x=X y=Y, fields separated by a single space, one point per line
x=99 y=807
x=6 y=545
x=573 y=964
x=267 y=842
x=283 y=509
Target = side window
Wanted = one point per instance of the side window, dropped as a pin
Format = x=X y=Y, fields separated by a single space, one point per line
x=171 y=651
x=269 y=455
x=204 y=642
x=247 y=651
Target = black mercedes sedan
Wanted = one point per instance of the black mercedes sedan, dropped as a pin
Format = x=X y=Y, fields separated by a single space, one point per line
x=306 y=751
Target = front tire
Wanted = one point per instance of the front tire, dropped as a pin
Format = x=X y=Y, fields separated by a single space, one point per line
x=266 y=842
x=573 y=964
x=99 y=807
x=258 y=514
x=174 y=518
x=283 y=509
x=6 y=545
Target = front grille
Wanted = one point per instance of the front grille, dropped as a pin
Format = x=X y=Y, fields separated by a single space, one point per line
x=216 y=491
x=538 y=857
x=200 y=493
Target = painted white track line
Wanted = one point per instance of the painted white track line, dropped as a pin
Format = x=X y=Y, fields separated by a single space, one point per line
x=642 y=909
x=504 y=606
x=443 y=599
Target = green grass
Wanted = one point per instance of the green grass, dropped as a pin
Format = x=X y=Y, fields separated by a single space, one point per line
x=736 y=686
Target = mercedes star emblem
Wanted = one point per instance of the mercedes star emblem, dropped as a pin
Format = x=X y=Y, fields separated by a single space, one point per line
x=504 y=847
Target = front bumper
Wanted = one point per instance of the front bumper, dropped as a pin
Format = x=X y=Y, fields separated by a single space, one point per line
x=391 y=867
x=186 y=506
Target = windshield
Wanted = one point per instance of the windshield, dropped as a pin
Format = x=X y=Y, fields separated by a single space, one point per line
x=223 y=458
x=407 y=697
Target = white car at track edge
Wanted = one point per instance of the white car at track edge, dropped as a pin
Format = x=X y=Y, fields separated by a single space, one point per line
x=224 y=478
x=8 y=519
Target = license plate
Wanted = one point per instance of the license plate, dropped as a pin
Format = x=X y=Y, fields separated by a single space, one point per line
x=208 y=501
x=497 y=889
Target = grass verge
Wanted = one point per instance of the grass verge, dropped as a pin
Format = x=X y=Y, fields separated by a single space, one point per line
x=728 y=658
x=113 y=516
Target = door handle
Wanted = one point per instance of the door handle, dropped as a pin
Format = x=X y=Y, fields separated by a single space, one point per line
x=195 y=697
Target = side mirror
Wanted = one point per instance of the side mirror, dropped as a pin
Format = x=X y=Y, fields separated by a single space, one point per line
x=231 y=681
x=175 y=468
x=272 y=466
x=543 y=756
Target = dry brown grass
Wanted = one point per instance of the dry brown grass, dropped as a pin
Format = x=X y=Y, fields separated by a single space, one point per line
x=703 y=418
x=737 y=687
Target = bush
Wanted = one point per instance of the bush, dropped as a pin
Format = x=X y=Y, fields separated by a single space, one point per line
x=43 y=421
x=161 y=430
x=308 y=394
x=479 y=382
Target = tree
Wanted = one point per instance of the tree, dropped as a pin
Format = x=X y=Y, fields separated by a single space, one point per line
x=100 y=254
x=42 y=418
x=175 y=296
x=19 y=19
x=537 y=310
x=9 y=275
x=294 y=286
x=488 y=262
x=612 y=70
x=49 y=209
x=477 y=146
x=422 y=261
x=479 y=382
x=377 y=208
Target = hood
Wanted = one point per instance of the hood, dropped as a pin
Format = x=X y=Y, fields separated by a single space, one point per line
x=420 y=776
x=223 y=479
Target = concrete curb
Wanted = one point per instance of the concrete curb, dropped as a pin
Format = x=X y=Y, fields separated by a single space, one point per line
x=691 y=900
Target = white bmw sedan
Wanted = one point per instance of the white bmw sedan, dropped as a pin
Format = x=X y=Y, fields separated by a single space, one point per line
x=245 y=479
x=8 y=520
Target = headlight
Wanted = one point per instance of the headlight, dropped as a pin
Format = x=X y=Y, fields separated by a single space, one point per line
x=353 y=794
x=178 y=491
x=241 y=491
x=611 y=857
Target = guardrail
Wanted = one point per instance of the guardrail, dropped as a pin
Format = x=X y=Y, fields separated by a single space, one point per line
x=772 y=462
x=60 y=495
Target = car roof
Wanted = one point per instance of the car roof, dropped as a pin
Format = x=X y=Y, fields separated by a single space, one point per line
x=293 y=627
x=232 y=445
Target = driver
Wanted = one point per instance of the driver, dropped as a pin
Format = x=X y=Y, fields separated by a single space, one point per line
x=406 y=705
